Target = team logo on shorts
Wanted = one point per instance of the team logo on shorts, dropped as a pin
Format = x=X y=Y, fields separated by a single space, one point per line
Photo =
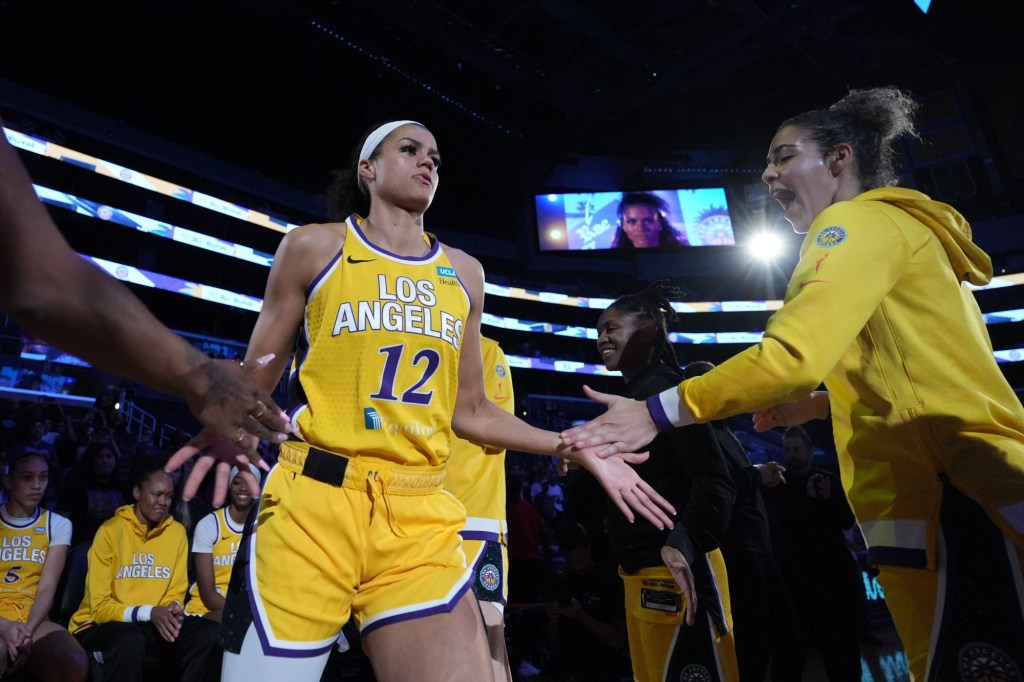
x=490 y=577
x=833 y=235
x=695 y=673
x=982 y=662
x=500 y=371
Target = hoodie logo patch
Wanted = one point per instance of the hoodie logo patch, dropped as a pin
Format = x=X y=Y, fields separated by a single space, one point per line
x=833 y=235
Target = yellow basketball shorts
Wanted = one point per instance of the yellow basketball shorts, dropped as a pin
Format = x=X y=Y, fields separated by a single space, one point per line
x=487 y=554
x=16 y=610
x=661 y=645
x=382 y=547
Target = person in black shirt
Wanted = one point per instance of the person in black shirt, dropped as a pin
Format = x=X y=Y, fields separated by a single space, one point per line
x=764 y=623
x=675 y=616
x=809 y=516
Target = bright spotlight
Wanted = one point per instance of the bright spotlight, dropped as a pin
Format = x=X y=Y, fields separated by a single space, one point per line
x=765 y=245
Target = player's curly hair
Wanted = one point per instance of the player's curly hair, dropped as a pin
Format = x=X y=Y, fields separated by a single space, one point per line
x=867 y=120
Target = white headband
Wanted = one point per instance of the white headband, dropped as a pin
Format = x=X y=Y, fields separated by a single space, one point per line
x=252 y=467
x=378 y=135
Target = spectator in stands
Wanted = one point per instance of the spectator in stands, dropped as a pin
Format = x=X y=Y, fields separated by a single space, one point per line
x=135 y=589
x=34 y=546
x=529 y=540
x=587 y=620
x=48 y=289
x=809 y=517
x=94 y=492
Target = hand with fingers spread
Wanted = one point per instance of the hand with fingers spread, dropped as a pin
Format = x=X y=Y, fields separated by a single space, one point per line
x=625 y=488
x=680 y=569
x=627 y=426
x=218 y=453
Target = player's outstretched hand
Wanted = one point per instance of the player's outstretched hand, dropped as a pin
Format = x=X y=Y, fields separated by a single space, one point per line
x=627 y=490
x=814 y=406
x=626 y=427
x=218 y=453
x=228 y=401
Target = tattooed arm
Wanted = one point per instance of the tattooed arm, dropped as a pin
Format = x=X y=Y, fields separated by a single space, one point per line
x=48 y=289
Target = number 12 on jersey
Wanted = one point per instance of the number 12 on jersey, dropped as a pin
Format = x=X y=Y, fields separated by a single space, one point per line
x=430 y=360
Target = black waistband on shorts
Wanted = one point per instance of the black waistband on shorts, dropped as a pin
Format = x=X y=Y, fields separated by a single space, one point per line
x=324 y=467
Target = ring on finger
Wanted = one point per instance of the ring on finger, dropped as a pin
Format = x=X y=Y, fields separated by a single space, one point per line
x=263 y=410
x=240 y=436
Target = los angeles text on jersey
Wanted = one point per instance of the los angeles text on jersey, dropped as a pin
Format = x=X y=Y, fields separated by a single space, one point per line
x=143 y=565
x=402 y=305
x=227 y=559
x=19 y=548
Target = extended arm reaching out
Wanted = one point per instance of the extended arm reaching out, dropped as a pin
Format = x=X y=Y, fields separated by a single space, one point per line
x=51 y=291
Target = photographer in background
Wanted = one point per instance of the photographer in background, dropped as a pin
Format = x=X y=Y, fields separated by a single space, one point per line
x=587 y=620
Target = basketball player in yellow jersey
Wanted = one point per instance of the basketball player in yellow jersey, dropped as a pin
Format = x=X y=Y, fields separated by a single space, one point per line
x=33 y=547
x=476 y=475
x=215 y=544
x=354 y=519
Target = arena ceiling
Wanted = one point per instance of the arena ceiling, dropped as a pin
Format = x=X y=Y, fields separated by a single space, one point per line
x=521 y=93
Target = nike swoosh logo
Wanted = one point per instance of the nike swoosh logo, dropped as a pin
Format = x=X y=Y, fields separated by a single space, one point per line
x=813 y=281
x=350 y=259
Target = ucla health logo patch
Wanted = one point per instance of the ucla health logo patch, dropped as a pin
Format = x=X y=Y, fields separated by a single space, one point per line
x=490 y=577
x=833 y=235
x=445 y=271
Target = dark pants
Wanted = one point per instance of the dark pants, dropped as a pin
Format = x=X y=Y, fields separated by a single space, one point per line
x=125 y=649
x=764 y=623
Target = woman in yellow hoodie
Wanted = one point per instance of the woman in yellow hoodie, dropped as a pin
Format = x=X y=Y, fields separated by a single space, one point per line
x=930 y=436
x=135 y=588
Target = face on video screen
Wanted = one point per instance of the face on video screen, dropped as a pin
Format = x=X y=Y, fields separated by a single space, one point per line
x=658 y=220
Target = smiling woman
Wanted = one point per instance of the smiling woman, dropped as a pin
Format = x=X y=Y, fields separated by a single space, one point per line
x=683 y=626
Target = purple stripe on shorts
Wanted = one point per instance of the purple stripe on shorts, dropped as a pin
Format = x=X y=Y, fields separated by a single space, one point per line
x=411 y=615
x=261 y=629
x=483 y=535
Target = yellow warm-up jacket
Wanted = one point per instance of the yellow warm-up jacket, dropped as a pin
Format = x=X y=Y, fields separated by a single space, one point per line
x=878 y=310
x=133 y=569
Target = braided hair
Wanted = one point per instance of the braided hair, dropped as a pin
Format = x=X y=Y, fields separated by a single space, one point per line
x=654 y=305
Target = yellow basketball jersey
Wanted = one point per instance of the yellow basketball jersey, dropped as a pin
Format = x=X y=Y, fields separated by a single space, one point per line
x=225 y=547
x=23 y=549
x=477 y=478
x=377 y=359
